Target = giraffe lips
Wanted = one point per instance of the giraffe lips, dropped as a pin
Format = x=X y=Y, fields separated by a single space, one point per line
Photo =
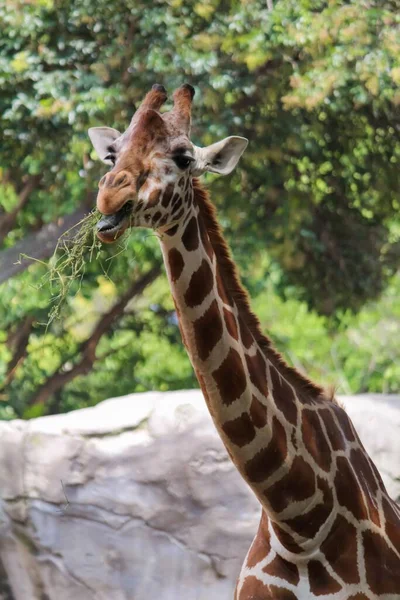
x=111 y=227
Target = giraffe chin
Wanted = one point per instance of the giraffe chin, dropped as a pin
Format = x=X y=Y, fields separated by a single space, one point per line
x=111 y=227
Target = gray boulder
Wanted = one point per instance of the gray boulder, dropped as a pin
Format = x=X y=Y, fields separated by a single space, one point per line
x=136 y=498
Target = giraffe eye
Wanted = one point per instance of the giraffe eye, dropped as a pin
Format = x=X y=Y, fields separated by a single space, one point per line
x=183 y=161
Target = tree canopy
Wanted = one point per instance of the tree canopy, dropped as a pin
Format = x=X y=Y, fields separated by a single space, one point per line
x=311 y=212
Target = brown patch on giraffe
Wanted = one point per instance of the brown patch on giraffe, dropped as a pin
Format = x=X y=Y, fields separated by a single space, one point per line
x=269 y=459
x=287 y=540
x=176 y=206
x=258 y=412
x=334 y=434
x=309 y=523
x=382 y=565
x=172 y=231
x=348 y=489
x=230 y=377
x=344 y=422
x=315 y=440
x=175 y=263
x=245 y=335
x=221 y=290
x=153 y=198
x=254 y=589
x=297 y=485
x=279 y=567
x=179 y=215
x=340 y=549
x=167 y=196
x=257 y=368
x=157 y=216
x=175 y=199
x=230 y=322
x=240 y=431
x=358 y=597
x=392 y=522
x=190 y=237
x=208 y=330
x=367 y=481
x=321 y=582
x=205 y=240
x=200 y=285
x=284 y=396
x=261 y=546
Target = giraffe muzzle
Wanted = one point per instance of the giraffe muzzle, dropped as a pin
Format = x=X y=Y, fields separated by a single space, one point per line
x=111 y=227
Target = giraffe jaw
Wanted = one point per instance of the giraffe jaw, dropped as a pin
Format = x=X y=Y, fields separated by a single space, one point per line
x=111 y=227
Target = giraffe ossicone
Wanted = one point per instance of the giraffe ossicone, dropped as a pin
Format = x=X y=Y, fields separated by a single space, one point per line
x=328 y=528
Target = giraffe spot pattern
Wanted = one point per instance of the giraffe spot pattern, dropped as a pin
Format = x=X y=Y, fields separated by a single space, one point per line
x=346 y=480
x=176 y=264
x=240 y=431
x=309 y=523
x=321 y=582
x=258 y=412
x=344 y=422
x=208 y=330
x=391 y=522
x=343 y=536
x=261 y=546
x=176 y=206
x=167 y=196
x=284 y=396
x=200 y=285
x=179 y=215
x=190 y=237
x=205 y=240
x=245 y=335
x=314 y=439
x=172 y=231
x=367 y=481
x=153 y=198
x=230 y=378
x=230 y=322
x=254 y=589
x=287 y=539
x=257 y=368
x=157 y=216
x=381 y=565
x=221 y=290
x=297 y=485
x=279 y=567
x=269 y=459
x=334 y=434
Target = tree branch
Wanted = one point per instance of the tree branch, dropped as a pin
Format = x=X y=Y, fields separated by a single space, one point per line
x=88 y=349
x=8 y=220
x=18 y=341
x=38 y=245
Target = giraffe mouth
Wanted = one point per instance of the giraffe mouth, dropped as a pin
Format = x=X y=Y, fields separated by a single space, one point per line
x=111 y=227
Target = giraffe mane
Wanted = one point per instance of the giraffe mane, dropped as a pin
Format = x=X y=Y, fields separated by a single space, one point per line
x=240 y=296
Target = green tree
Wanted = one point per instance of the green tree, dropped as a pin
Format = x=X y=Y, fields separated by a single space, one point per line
x=314 y=85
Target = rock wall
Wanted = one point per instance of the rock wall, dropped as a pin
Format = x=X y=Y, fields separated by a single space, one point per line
x=136 y=499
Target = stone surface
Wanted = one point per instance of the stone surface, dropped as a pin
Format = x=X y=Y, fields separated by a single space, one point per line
x=136 y=498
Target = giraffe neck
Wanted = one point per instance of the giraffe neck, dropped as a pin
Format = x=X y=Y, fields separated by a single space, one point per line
x=297 y=450
x=249 y=390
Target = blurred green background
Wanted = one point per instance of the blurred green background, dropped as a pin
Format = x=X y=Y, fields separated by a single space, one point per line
x=311 y=212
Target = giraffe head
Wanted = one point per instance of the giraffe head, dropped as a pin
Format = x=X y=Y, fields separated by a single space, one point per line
x=153 y=163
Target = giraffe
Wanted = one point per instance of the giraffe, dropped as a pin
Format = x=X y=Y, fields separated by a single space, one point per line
x=328 y=528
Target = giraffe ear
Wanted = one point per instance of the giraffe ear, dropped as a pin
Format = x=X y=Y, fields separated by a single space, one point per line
x=102 y=139
x=221 y=157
